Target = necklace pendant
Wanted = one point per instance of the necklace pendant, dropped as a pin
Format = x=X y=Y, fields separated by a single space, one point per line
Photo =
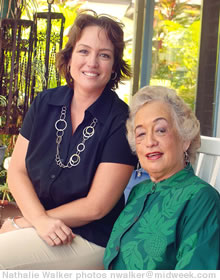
x=60 y=126
x=74 y=160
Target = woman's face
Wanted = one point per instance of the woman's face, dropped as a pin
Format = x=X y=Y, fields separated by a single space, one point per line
x=159 y=147
x=92 y=61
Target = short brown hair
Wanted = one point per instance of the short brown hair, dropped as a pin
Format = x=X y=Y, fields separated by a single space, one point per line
x=114 y=32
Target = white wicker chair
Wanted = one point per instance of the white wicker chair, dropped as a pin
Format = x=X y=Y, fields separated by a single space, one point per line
x=207 y=165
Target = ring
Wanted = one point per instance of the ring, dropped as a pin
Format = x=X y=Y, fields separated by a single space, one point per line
x=55 y=238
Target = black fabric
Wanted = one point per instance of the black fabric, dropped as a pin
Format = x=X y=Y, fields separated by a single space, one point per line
x=56 y=186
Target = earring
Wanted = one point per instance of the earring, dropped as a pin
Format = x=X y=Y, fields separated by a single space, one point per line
x=138 y=170
x=68 y=70
x=115 y=76
x=186 y=158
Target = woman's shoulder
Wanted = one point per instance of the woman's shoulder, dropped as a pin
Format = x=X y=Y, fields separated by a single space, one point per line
x=191 y=183
x=54 y=95
x=204 y=187
x=118 y=103
x=204 y=195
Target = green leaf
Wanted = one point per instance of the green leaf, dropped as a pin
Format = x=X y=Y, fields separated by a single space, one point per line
x=186 y=251
x=132 y=257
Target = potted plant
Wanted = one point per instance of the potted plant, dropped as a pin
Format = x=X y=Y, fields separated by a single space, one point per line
x=5 y=194
x=8 y=207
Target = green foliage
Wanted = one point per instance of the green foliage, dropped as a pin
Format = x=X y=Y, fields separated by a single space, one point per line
x=9 y=141
x=5 y=193
x=2 y=100
x=176 y=48
x=30 y=7
x=3 y=103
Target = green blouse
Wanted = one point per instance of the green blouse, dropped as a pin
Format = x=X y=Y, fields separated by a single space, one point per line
x=173 y=224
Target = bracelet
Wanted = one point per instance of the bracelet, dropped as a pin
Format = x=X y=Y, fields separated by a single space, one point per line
x=13 y=222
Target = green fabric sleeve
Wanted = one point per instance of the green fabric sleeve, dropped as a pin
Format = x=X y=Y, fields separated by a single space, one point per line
x=199 y=238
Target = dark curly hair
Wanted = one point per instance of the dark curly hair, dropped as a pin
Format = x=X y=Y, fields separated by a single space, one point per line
x=114 y=32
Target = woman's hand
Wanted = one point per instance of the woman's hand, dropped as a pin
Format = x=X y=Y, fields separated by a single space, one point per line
x=53 y=231
x=8 y=226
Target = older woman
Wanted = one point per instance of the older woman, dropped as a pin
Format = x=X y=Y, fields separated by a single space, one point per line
x=171 y=221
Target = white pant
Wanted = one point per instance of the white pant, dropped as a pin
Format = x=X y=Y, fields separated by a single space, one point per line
x=24 y=249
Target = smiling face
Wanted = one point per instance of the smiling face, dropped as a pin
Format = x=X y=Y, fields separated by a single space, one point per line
x=159 y=147
x=92 y=61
